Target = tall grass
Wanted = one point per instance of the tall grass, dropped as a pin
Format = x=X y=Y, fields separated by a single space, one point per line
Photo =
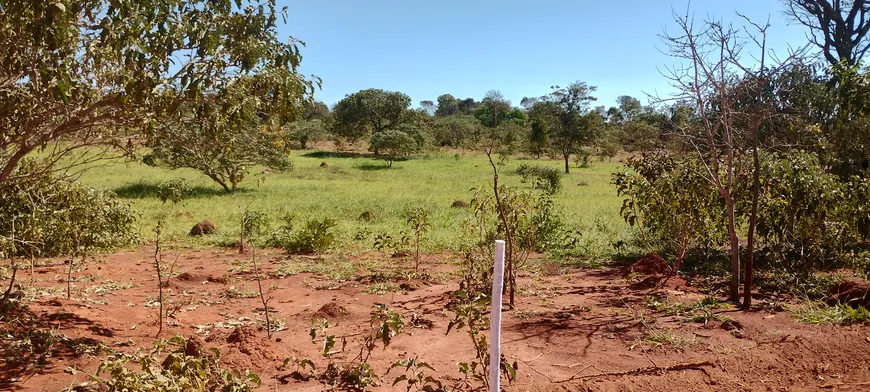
x=352 y=184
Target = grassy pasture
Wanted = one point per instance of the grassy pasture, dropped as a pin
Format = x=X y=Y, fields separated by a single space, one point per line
x=352 y=184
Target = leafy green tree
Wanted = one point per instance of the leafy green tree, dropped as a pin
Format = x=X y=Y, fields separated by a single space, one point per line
x=303 y=132
x=467 y=106
x=369 y=112
x=495 y=110
x=391 y=145
x=447 y=105
x=577 y=124
x=455 y=131
x=544 y=122
x=88 y=73
x=201 y=139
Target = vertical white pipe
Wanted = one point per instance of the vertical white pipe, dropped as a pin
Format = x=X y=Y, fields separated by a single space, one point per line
x=495 y=319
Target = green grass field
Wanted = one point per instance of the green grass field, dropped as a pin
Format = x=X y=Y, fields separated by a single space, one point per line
x=351 y=185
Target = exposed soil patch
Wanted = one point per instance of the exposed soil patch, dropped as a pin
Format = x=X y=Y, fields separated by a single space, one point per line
x=651 y=264
x=580 y=329
x=853 y=291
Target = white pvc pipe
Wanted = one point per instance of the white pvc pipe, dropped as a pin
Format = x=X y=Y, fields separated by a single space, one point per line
x=495 y=319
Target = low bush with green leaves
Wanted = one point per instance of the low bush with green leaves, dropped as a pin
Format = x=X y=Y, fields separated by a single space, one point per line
x=545 y=178
x=316 y=236
x=51 y=215
x=175 y=190
x=175 y=371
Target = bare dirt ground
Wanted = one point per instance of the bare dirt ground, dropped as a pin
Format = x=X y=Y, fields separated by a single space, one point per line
x=572 y=330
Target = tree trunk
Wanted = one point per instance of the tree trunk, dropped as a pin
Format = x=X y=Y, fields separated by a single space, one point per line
x=735 y=250
x=566 y=156
x=221 y=183
x=753 y=219
x=11 y=284
x=12 y=162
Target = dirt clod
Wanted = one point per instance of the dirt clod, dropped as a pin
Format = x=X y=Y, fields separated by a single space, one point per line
x=203 y=228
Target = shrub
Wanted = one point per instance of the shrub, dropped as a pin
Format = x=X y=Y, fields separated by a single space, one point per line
x=547 y=179
x=807 y=217
x=177 y=372
x=56 y=215
x=392 y=145
x=672 y=204
x=175 y=190
x=316 y=237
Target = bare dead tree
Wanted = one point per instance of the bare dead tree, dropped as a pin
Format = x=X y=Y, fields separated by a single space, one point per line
x=730 y=101
x=838 y=27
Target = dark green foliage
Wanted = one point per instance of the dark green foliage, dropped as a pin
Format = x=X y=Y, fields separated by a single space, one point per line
x=807 y=217
x=316 y=237
x=175 y=190
x=370 y=111
x=58 y=216
x=544 y=178
x=175 y=372
x=455 y=131
x=392 y=145
x=671 y=203
x=86 y=73
x=201 y=138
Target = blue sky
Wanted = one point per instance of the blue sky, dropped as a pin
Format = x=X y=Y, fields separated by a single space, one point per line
x=520 y=47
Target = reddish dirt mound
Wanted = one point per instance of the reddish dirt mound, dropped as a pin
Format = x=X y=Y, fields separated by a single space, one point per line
x=202 y=228
x=187 y=277
x=651 y=264
x=249 y=349
x=194 y=347
x=854 y=291
x=330 y=310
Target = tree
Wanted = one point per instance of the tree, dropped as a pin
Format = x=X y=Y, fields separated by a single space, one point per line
x=428 y=107
x=391 y=145
x=306 y=131
x=495 y=110
x=455 y=131
x=199 y=138
x=467 y=106
x=544 y=122
x=370 y=111
x=577 y=124
x=315 y=110
x=447 y=105
x=838 y=27
x=731 y=102
x=90 y=73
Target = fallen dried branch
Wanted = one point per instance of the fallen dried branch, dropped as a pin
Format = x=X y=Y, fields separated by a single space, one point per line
x=644 y=370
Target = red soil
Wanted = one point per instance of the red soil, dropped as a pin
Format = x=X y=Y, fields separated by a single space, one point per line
x=582 y=330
